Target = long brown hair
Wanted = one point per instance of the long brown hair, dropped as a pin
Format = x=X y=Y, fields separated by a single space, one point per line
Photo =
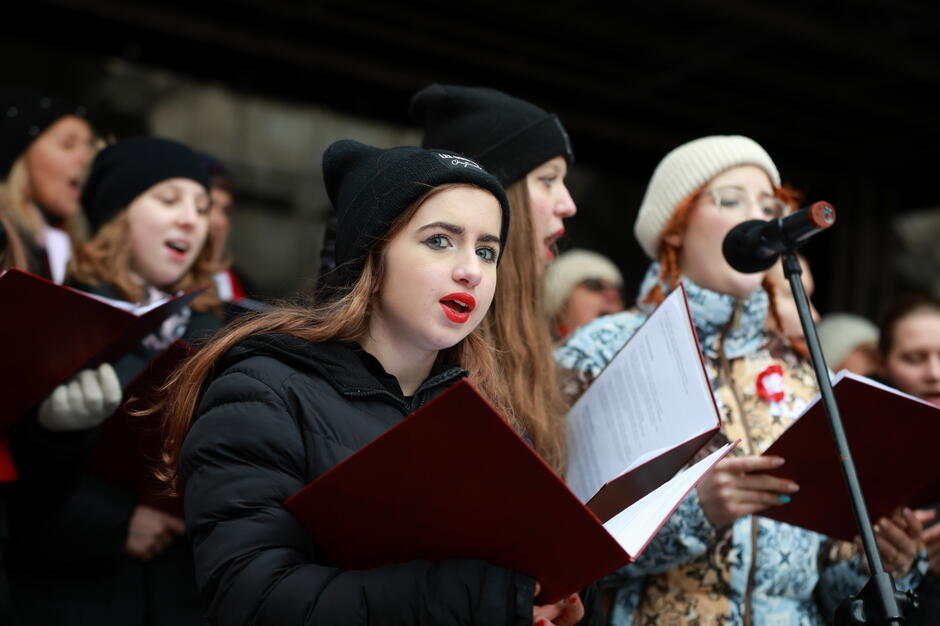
x=341 y=316
x=106 y=259
x=519 y=328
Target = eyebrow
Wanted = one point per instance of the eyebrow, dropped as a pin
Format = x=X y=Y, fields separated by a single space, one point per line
x=459 y=230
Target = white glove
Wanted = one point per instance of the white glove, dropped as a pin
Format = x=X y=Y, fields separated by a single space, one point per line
x=84 y=401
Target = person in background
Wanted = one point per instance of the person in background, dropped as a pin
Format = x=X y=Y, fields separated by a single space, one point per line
x=909 y=346
x=227 y=283
x=104 y=557
x=850 y=342
x=284 y=396
x=45 y=146
x=528 y=151
x=581 y=286
x=715 y=561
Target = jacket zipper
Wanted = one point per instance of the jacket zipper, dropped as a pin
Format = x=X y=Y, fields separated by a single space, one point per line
x=725 y=369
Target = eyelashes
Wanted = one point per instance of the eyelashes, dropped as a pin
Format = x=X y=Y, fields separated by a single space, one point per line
x=442 y=242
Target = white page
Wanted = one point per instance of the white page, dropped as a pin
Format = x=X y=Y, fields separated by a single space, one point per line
x=130 y=307
x=653 y=395
x=634 y=526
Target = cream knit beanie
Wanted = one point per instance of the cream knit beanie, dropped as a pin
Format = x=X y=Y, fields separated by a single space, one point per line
x=840 y=333
x=571 y=269
x=684 y=170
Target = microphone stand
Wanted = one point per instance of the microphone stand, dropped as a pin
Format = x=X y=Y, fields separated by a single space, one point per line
x=878 y=602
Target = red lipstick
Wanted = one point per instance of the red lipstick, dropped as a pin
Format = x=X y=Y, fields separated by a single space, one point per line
x=458 y=306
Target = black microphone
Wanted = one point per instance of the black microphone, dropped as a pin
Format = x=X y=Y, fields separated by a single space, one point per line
x=754 y=246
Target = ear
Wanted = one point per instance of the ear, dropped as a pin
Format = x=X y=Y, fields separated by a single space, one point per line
x=674 y=239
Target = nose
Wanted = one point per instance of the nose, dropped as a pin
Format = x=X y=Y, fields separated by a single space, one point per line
x=469 y=271
x=187 y=215
x=933 y=367
x=565 y=206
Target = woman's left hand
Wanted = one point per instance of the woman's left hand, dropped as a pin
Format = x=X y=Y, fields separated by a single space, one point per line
x=566 y=612
x=899 y=539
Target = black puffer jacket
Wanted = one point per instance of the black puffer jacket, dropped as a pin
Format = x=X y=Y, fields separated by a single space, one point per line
x=280 y=412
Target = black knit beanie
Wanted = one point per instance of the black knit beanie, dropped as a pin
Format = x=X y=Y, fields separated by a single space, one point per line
x=370 y=187
x=126 y=169
x=24 y=115
x=508 y=136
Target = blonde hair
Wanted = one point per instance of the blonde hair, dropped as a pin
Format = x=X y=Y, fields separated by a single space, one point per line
x=106 y=259
x=341 y=315
x=17 y=192
x=11 y=255
x=518 y=327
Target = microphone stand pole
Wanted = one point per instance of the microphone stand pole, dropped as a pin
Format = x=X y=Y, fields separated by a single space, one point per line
x=878 y=602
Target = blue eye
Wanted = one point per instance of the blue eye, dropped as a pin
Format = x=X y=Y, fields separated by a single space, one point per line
x=487 y=254
x=548 y=180
x=437 y=242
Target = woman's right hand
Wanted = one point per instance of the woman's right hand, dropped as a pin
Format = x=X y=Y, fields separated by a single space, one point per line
x=738 y=487
x=566 y=612
x=84 y=401
x=150 y=532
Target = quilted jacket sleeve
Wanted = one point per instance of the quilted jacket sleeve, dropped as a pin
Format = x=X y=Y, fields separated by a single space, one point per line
x=256 y=565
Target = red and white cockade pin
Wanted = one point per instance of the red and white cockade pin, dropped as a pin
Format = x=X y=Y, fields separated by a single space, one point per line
x=770 y=384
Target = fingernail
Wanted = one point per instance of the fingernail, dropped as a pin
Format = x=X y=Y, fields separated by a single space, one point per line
x=794 y=487
x=784 y=499
x=573 y=599
x=907 y=512
x=877 y=528
x=778 y=461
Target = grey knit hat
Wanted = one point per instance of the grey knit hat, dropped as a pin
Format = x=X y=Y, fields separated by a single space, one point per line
x=572 y=268
x=687 y=168
x=840 y=333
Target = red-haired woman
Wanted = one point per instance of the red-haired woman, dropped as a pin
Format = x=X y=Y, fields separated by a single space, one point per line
x=716 y=561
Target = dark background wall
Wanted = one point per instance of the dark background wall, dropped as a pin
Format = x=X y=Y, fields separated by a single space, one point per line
x=841 y=94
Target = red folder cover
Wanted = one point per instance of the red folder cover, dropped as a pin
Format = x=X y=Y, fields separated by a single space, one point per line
x=453 y=480
x=893 y=438
x=129 y=446
x=50 y=332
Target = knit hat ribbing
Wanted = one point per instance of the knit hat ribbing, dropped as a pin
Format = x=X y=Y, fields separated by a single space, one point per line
x=508 y=136
x=370 y=187
x=687 y=168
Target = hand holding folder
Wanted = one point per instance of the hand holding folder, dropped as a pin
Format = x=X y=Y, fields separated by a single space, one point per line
x=454 y=480
x=893 y=438
x=50 y=332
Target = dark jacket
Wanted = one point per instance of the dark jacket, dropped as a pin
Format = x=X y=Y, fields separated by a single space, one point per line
x=280 y=412
x=71 y=566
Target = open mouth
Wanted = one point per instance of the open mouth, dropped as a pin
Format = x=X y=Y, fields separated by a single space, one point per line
x=550 y=241
x=178 y=247
x=458 y=306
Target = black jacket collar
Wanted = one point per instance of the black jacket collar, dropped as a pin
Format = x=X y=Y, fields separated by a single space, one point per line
x=336 y=362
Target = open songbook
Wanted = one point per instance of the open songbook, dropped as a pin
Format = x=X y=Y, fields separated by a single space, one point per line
x=50 y=332
x=893 y=438
x=453 y=480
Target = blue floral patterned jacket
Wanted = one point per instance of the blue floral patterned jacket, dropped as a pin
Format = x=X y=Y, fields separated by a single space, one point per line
x=755 y=571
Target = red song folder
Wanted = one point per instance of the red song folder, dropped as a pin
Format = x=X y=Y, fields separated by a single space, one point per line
x=129 y=447
x=453 y=480
x=893 y=438
x=50 y=332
